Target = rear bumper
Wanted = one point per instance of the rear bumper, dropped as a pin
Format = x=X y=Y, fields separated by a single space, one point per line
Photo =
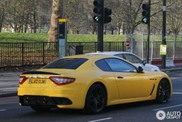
x=61 y=98
x=43 y=101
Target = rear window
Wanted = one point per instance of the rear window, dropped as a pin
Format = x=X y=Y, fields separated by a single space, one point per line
x=66 y=63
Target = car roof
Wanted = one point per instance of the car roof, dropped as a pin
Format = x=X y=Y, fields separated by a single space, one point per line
x=95 y=56
x=111 y=53
x=90 y=56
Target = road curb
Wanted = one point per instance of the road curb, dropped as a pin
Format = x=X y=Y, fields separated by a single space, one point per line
x=8 y=94
x=171 y=69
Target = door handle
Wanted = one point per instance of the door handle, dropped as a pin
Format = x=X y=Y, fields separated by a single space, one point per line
x=120 y=77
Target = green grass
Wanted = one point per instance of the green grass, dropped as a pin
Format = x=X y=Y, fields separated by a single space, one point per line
x=22 y=37
x=31 y=37
x=93 y=38
x=34 y=37
x=159 y=38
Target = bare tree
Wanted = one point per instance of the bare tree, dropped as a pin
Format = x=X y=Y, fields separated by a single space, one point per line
x=131 y=11
x=52 y=33
x=174 y=20
x=117 y=17
x=26 y=16
x=23 y=15
x=3 y=5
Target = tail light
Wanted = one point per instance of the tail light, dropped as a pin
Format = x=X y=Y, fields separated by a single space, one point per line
x=22 y=79
x=61 y=80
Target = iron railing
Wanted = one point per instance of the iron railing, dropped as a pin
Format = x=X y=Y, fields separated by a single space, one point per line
x=41 y=53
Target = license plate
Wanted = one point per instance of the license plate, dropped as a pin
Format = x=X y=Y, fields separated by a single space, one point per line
x=37 y=81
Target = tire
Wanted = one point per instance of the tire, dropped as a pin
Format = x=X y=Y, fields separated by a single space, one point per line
x=96 y=99
x=41 y=108
x=163 y=91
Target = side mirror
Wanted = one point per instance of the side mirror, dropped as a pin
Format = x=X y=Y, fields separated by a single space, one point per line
x=140 y=69
x=144 y=62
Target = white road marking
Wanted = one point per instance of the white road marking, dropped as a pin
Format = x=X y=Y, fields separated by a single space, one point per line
x=174 y=106
x=177 y=92
x=99 y=120
x=173 y=78
x=2 y=110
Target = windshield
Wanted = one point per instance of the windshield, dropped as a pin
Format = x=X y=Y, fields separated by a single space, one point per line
x=131 y=58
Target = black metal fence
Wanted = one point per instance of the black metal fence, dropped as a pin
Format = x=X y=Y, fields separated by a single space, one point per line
x=41 y=53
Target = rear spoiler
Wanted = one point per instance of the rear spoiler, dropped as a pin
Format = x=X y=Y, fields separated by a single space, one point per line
x=39 y=72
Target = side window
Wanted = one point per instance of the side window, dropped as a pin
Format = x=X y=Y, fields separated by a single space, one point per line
x=132 y=58
x=118 y=65
x=103 y=65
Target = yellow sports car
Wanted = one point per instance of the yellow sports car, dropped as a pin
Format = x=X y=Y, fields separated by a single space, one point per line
x=90 y=82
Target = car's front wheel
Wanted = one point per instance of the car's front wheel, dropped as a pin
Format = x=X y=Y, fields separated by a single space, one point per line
x=96 y=99
x=163 y=91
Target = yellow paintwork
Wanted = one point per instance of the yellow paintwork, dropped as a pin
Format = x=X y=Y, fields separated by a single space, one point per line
x=132 y=88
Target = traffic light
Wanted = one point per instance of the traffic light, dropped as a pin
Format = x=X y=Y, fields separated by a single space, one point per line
x=98 y=10
x=107 y=13
x=97 y=18
x=145 y=13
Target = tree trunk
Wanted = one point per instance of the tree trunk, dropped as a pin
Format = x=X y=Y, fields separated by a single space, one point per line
x=34 y=22
x=174 y=46
x=52 y=33
x=2 y=19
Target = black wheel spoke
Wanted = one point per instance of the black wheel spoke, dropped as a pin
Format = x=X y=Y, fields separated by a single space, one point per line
x=163 y=92
x=96 y=98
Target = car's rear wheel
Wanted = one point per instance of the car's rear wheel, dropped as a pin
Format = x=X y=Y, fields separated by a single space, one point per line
x=96 y=99
x=163 y=91
x=41 y=108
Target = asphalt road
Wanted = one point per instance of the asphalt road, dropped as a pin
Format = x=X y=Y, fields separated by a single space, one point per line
x=10 y=111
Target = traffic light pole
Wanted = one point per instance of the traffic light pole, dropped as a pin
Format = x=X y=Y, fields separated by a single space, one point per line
x=164 y=33
x=100 y=37
x=102 y=16
x=100 y=30
x=146 y=7
x=148 y=34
